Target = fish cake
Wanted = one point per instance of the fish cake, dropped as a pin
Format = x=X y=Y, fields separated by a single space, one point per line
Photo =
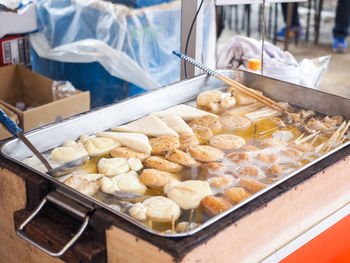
x=215 y=168
x=127 y=153
x=188 y=194
x=207 y=121
x=236 y=194
x=156 y=179
x=271 y=142
x=162 y=164
x=180 y=157
x=251 y=185
x=88 y=184
x=303 y=147
x=187 y=140
x=205 y=98
x=203 y=133
x=204 y=153
x=234 y=122
x=248 y=148
x=291 y=153
x=221 y=182
x=250 y=171
x=267 y=158
x=162 y=144
x=238 y=157
x=227 y=142
x=276 y=169
x=214 y=205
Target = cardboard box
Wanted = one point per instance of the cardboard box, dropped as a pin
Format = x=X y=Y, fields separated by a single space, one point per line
x=19 y=84
x=15 y=50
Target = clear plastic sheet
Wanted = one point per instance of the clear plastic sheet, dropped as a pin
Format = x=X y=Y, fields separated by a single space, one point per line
x=62 y=89
x=133 y=45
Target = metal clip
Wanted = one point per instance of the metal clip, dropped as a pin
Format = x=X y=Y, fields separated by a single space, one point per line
x=24 y=236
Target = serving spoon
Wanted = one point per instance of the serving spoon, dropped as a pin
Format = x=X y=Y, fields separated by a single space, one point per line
x=64 y=169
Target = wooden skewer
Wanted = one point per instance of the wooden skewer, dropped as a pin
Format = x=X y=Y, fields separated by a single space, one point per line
x=331 y=140
x=267 y=131
x=150 y=223
x=297 y=139
x=191 y=217
x=343 y=132
x=309 y=137
x=261 y=98
x=172 y=224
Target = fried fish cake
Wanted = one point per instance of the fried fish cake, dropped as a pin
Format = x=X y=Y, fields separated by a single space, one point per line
x=250 y=171
x=236 y=194
x=127 y=153
x=187 y=140
x=162 y=164
x=207 y=121
x=227 y=142
x=212 y=169
x=204 y=153
x=221 y=182
x=214 y=205
x=251 y=185
x=267 y=158
x=203 y=133
x=156 y=179
x=180 y=157
x=234 y=122
x=239 y=157
x=161 y=144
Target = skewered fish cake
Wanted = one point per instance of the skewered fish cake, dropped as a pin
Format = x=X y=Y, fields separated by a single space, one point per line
x=251 y=185
x=249 y=148
x=112 y=166
x=182 y=158
x=187 y=140
x=276 y=169
x=207 y=121
x=270 y=142
x=203 y=133
x=87 y=184
x=267 y=158
x=162 y=164
x=234 y=122
x=221 y=182
x=291 y=153
x=162 y=144
x=303 y=147
x=127 y=182
x=226 y=142
x=215 y=168
x=157 y=209
x=250 y=172
x=156 y=179
x=188 y=194
x=206 y=153
x=236 y=194
x=69 y=152
x=214 y=205
x=127 y=153
x=100 y=146
x=238 y=157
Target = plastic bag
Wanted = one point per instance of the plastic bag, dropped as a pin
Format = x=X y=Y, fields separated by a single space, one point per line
x=62 y=89
x=131 y=44
x=278 y=64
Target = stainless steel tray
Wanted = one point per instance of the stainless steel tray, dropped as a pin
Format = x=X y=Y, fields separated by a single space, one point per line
x=181 y=92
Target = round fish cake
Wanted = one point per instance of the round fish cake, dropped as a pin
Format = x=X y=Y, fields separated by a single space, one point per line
x=203 y=133
x=209 y=169
x=68 y=152
x=276 y=169
x=207 y=121
x=234 y=122
x=127 y=153
x=112 y=166
x=221 y=182
x=162 y=164
x=251 y=172
x=249 y=148
x=162 y=144
x=187 y=140
x=207 y=97
x=236 y=194
x=251 y=185
x=188 y=194
x=267 y=158
x=156 y=179
x=157 y=209
x=180 y=157
x=130 y=182
x=214 y=205
x=206 y=153
x=271 y=142
x=227 y=142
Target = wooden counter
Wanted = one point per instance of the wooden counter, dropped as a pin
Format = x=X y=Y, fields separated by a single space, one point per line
x=250 y=234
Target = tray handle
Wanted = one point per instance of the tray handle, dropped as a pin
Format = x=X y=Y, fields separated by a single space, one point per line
x=27 y=238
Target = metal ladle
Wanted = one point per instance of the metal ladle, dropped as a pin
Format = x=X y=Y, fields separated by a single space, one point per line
x=64 y=169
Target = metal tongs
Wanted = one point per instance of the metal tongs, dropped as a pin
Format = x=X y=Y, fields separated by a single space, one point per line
x=64 y=169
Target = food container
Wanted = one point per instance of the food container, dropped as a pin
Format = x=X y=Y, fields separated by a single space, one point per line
x=134 y=108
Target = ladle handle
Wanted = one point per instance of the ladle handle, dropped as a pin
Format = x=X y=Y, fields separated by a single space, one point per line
x=9 y=123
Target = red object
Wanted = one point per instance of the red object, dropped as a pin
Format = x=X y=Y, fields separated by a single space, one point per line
x=14 y=50
x=331 y=246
